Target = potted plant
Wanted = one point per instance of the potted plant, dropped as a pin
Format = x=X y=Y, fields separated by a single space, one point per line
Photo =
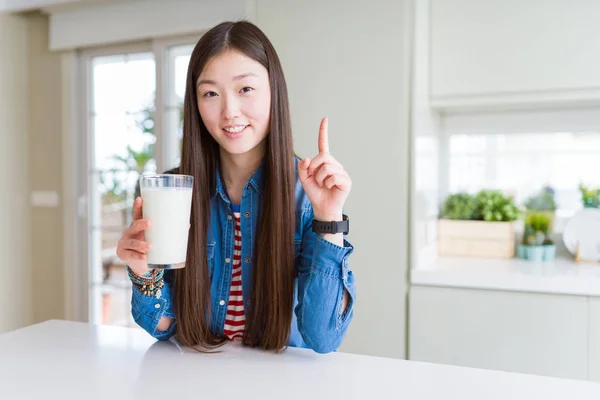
x=590 y=197
x=537 y=244
x=542 y=201
x=459 y=206
x=480 y=225
x=494 y=206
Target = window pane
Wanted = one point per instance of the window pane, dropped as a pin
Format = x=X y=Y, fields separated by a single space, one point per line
x=524 y=163
x=182 y=56
x=122 y=122
x=124 y=141
x=122 y=83
x=467 y=173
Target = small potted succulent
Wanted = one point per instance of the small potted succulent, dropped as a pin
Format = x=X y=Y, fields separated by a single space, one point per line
x=480 y=225
x=590 y=198
x=537 y=244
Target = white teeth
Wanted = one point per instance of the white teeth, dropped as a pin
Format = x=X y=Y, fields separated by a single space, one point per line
x=235 y=129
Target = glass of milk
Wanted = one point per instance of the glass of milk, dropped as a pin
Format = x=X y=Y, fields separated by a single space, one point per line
x=167 y=203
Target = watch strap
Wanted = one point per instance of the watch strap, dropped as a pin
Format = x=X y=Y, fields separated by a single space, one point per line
x=332 y=227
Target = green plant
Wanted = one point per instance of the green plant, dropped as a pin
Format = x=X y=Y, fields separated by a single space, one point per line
x=538 y=226
x=136 y=160
x=116 y=186
x=589 y=197
x=459 y=206
x=486 y=205
x=493 y=205
x=542 y=201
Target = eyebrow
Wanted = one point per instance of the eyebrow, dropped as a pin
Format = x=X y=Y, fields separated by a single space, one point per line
x=235 y=78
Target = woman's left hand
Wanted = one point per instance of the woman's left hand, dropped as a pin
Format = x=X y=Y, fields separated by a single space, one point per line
x=325 y=181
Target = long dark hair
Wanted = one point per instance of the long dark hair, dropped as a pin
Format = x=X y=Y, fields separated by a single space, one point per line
x=269 y=313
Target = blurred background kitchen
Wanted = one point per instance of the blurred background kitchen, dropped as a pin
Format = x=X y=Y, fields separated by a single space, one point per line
x=471 y=129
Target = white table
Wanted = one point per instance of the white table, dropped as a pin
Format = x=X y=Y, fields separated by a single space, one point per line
x=79 y=360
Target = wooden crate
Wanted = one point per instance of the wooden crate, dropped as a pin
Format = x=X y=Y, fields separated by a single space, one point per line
x=476 y=239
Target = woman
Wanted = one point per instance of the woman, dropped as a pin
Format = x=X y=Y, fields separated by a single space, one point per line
x=257 y=267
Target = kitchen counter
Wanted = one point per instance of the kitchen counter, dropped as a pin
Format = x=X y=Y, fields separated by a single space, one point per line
x=562 y=276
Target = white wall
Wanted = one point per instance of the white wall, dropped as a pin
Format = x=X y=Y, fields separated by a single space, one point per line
x=349 y=60
x=45 y=172
x=15 y=290
x=137 y=20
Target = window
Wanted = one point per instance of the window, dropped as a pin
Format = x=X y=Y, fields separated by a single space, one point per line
x=520 y=152
x=122 y=138
x=134 y=126
x=523 y=163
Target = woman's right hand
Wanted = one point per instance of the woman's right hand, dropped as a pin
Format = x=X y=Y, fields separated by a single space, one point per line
x=132 y=248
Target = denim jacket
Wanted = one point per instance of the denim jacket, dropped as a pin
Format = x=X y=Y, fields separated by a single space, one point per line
x=322 y=273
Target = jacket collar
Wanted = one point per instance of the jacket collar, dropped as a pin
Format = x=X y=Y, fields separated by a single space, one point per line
x=256 y=182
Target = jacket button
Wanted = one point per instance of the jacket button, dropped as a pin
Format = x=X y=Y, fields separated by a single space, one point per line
x=248 y=187
x=157 y=305
x=248 y=260
x=227 y=260
x=229 y=217
x=246 y=214
x=222 y=303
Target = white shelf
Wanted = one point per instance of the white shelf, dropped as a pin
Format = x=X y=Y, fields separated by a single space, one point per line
x=563 y=276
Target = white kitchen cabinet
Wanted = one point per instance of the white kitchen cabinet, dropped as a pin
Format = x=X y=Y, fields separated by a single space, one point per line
x=542 y=334
x=490 y=53
x=594 y=340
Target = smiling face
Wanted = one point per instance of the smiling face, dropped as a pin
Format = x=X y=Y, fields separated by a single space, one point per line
x=234 y=101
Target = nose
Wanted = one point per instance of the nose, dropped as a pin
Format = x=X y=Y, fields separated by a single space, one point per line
x=231 y=107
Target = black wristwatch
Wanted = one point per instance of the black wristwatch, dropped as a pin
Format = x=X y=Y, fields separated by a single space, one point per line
x=332 y=226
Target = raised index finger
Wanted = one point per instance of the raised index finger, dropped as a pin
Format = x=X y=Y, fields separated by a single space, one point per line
x=323 y=137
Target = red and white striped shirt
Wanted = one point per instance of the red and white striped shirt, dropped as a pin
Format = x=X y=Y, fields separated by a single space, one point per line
x=235 y=320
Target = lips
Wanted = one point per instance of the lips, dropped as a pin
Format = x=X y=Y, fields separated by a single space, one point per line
x=235 y=131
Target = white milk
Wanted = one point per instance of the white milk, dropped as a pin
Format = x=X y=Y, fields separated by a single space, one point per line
x=168 y=209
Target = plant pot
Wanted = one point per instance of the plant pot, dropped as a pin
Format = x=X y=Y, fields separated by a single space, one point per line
x=537 y=253
x=522 y=251
x=476 y=238
x=549 y=252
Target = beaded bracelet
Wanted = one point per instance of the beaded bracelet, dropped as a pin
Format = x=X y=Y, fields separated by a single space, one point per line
x=150 y=276
x=150 y=284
